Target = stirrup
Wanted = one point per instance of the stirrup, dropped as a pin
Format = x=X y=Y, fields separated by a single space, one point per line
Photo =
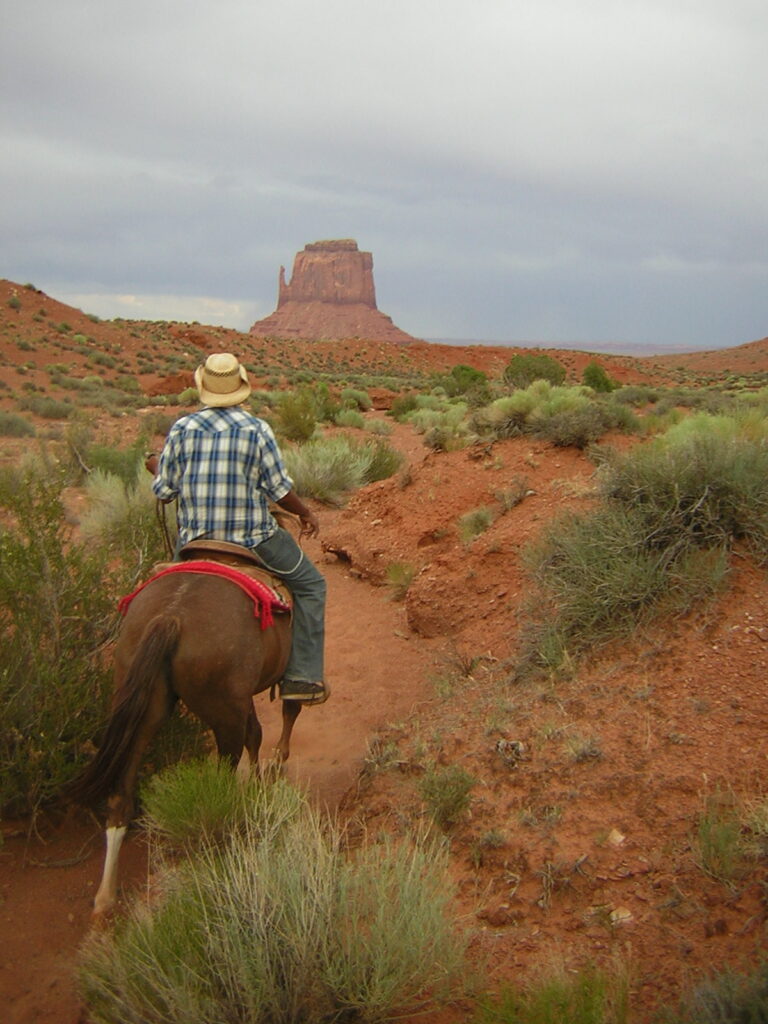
x=304 y=691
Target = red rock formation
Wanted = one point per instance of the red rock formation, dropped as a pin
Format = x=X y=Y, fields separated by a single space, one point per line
x=330 y=296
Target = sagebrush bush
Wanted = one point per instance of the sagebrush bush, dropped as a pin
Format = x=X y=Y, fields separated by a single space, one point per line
x=57 y=610
x=122 y=518
x=278 y=923
x=297 y=415
x=353 y=398
x=658 y=542
x=46 y=407
x=600 y=575
x=329 y=468
x=349 y=418
x=701 y=485
x=13 y=425
x=523 y=370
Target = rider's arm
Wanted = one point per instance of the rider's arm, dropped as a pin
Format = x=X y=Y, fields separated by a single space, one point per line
x=310 y=524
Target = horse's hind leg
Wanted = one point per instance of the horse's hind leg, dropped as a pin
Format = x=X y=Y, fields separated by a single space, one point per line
x=121 y=803
x=250 y=754
x=291 y=709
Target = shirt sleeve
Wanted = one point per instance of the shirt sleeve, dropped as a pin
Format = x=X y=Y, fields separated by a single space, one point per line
x=165 y=485
x=273 y=479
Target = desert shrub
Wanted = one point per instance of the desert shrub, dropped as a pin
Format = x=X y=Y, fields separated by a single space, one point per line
x=402 y=405
x=352 y=398
x=446 y=792
x=465 y=380
x=384 y=460
x=720 y=844
x=46 y=407
x=297 y=415
x=200 y=803
x=575 y=427
x=562 y=415
x=601 y=574
x=636 y=394
x=589 y=996
x=124 y=463
x=659 y=541
x=595 y=377
x=700 y=482
x=328 y=468
x=516 y=492
x=14 y=302
x=505 y=417
x=377 y=426
x=13 y=425
x=278 y=924
x=399 y=576
x=349 y=418
x=121 y=516
x=326 y=404
x=157 y=422
x=443 y=428
x=100 y=358
x=473 y=523
x=56 y=612
x=521 y=371
x=726 y=998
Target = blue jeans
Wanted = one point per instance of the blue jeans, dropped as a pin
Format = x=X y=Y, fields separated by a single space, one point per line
x=283 y=556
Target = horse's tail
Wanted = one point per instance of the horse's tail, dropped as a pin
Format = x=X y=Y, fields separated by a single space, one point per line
x=150 y=662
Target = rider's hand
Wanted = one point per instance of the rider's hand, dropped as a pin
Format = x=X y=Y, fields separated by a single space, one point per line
x=310 y=525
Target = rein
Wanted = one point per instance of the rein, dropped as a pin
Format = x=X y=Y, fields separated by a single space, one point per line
x=162 y=519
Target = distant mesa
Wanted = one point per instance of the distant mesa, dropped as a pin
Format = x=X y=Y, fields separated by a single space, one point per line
x=330 y=296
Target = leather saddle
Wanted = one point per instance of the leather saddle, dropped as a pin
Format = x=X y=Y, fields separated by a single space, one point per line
x=235 y=556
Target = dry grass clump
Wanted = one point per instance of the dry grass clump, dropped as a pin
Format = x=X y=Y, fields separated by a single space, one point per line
x=276 y=921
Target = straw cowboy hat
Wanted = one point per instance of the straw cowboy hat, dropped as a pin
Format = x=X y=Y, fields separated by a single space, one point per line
x=221 y=380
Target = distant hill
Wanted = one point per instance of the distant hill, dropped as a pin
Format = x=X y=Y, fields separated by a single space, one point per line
x=617 y=348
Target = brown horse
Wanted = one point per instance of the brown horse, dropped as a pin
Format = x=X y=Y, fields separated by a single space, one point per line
x=184 y=637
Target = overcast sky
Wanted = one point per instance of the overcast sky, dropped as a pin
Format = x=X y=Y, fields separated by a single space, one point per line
x=522 y=170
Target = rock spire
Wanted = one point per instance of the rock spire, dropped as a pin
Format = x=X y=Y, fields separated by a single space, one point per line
x=331 y=295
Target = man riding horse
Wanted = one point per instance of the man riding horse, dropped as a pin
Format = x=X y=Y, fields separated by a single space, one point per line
x=224 y=466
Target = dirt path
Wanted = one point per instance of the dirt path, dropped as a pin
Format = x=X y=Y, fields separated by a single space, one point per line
x=378 y=675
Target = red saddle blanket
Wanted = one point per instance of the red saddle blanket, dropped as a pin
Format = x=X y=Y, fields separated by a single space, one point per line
x=265 y=600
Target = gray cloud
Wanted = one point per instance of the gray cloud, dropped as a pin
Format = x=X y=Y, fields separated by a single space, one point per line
x=519 y=171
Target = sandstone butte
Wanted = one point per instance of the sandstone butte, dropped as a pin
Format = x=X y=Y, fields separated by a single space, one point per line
x=330 y=296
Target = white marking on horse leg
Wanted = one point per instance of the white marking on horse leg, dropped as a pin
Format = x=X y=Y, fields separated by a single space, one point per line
x=244 y=766
x=107 y=894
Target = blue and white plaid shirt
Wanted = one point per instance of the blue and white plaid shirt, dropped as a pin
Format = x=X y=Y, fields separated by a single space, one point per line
x=224 y=465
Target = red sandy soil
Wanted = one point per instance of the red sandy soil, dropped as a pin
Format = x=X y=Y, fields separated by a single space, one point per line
x=593 y=860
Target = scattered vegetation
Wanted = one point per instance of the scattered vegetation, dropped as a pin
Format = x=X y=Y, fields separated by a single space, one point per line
x=587 y=996
x=726 y=998
x=446 y=792
x=273 y=921
x=399 y=576
x=56 y=613
x=659 y=540
x=471 y=524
